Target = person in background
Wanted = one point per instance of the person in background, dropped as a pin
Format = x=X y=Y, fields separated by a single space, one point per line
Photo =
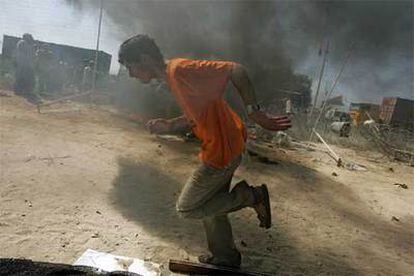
x=25 y=76
x=44 y=68
x=87 y=76
x=198 y=87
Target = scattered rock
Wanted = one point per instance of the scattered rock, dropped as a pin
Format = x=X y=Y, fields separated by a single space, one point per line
x=29 y=203
x=334 y=174
x=98 y=212
x=404 y=186
x=30 y=158
x=391 y=169
x=395 y=219
x=95 y=235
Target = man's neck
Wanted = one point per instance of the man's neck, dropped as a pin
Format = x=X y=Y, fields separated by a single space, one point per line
x=161 y=71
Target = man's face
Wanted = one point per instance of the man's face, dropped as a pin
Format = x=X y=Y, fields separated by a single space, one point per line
x=140 y=72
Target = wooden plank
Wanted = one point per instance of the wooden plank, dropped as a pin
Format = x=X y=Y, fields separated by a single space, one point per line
x=191 y=268
x=334 y=155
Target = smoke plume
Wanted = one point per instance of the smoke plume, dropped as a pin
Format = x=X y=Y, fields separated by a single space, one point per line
x=277 y=39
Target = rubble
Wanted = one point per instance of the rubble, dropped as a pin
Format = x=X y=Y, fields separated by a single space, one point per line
x=387 y=145
x=282 y=139
x=354 y=167
x=341 y=128
x=401 y=185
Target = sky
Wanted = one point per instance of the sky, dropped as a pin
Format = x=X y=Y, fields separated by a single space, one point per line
x=364 y=79
x=55 y=21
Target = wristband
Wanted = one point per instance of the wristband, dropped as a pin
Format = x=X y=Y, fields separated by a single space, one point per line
x=252 y=108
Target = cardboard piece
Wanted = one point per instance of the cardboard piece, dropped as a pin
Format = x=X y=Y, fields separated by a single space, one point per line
x=109 y=263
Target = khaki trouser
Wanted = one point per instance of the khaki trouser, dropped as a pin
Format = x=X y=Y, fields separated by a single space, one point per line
x=207 y=196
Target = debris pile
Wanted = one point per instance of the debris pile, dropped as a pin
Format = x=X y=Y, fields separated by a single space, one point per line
x=391 y=141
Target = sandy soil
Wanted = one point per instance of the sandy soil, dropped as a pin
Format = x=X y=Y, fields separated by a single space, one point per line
x=88 y=179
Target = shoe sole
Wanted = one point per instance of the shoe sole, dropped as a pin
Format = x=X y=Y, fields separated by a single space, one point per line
x=207 y=261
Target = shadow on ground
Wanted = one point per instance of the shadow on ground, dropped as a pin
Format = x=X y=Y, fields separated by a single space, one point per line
x=146 y=195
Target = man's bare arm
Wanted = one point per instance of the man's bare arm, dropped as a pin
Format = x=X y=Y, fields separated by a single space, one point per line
x=240 y=79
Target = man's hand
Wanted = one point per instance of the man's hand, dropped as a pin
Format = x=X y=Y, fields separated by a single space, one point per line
x=159 y=126
x=270 y=123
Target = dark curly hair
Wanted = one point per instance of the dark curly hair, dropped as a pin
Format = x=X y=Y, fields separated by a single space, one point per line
x=132 y=49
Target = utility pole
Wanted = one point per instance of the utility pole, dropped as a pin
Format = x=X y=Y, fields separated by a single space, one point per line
x=325 y=56
x=97 y=47
x=329 y=94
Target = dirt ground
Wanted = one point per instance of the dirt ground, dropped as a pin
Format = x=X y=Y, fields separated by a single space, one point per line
x=88 y=179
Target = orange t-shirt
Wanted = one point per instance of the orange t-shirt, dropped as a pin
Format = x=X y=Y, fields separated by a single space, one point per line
x=198 y=86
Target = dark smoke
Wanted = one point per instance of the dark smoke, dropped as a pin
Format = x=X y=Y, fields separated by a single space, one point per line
x=276 y=39
x=382 y=33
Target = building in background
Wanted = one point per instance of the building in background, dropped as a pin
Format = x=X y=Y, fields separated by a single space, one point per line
x=65 y=65
x=397 y=111
x=73 y=56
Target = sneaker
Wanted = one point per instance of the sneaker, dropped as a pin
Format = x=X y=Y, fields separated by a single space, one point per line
x=234 y=262
x=262 y=206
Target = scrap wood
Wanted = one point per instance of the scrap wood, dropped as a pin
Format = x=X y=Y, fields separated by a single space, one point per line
x=262 y=148
x=54 y=157
x=62 y=99
x=261 y=151
x=354 y=167
x=306 y=146
x=50 y=160
x=207 y=269
x=401 y=185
